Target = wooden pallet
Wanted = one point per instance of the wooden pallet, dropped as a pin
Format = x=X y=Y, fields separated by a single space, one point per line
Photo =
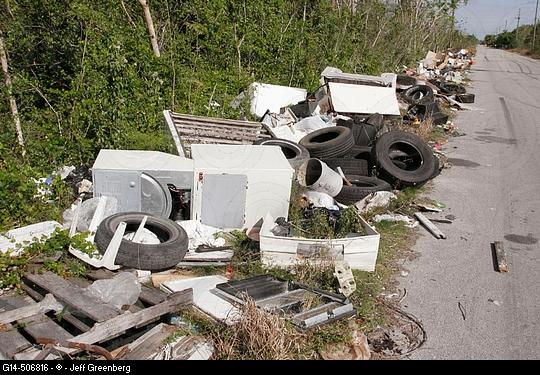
x=85 y=320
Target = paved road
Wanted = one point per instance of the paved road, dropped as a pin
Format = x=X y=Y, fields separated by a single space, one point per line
x=493 y=190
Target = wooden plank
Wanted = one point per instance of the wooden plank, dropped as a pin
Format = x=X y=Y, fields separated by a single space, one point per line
x=502 y=264
x=74 y=296
x=430 y=226
x=42 y=326
x=11 y=341
x=48 y=303
x=38 y=325
x=31 y=353
x=179 y=117
x=147 y=344
x=104 y=331
x=66 y=315
x=191 y=139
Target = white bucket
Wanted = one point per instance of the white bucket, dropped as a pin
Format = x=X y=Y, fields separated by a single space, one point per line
x=317 y=176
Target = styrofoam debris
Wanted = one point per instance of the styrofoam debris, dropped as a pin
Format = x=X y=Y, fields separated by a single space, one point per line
x=377 y=199
x=200 y=234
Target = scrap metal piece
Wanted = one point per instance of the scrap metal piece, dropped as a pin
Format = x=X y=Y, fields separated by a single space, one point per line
x=288 y=298
x=76 y=345
x=345 y=278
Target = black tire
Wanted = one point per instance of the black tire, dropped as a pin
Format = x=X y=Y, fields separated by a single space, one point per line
x=150 y=257
x=450 y=88
x=360 y=152
x=403 y=159
x=363 y=186
x=349 y=166
x=465 y=98
x=405 y=80
x=436 y=167
x=418 y=94
x=296 y=154
x=332 y=142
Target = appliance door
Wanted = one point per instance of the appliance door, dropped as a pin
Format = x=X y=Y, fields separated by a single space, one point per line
x=223 y=203
x=155 y=196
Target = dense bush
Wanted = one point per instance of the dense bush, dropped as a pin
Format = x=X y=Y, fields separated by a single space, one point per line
x=85 y=78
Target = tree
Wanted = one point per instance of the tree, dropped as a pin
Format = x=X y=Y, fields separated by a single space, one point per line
x=12 y=101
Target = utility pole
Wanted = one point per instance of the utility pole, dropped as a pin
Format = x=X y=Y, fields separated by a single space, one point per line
x=518 y=17
x=506 y=25
x=534 y=32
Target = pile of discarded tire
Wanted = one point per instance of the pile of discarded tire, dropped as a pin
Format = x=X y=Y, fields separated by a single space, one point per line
x=394 y=159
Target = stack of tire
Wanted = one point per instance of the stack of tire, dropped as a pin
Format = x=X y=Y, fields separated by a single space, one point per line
x=422 y=104
x=336 y=147
x=395 y=159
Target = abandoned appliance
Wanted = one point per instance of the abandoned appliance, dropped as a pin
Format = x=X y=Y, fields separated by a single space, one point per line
x=145 y=181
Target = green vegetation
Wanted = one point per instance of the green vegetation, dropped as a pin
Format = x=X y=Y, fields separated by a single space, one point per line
x=50 y=254
x=520 y=39
x=85 y=78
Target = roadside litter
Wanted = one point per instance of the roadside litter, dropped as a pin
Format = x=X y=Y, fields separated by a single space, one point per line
x=296 y=183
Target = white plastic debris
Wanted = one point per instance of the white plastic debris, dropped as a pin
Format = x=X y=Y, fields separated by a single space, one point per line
x=377 y=199
x=321 y=200
x=43 y=187
x=273 y=97
x=142 y=275
x=200 y=234
x=88 y=208
x=311 y=124
x=85 y=186
x=65 y=171
x=122 y=289
x=27 y=235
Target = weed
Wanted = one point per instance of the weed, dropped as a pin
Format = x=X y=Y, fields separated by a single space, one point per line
x=53 y=252
x=257 y=335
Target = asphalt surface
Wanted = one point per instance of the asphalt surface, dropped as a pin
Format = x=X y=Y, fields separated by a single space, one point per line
x=469 y=310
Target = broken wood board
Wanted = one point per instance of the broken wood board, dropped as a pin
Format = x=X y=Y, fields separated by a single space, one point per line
x=66 y=315
x=148 y=344
x=186 y=348
x=48 y=303
x=430 y=226
x=74 y=296
x=11 y=341
x=502 y=264
x=38 y=325
x=117 y=325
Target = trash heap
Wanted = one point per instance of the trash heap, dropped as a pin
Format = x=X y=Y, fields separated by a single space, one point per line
x=296 y=183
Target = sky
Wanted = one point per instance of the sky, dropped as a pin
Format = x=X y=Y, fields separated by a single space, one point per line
x=481 y=17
